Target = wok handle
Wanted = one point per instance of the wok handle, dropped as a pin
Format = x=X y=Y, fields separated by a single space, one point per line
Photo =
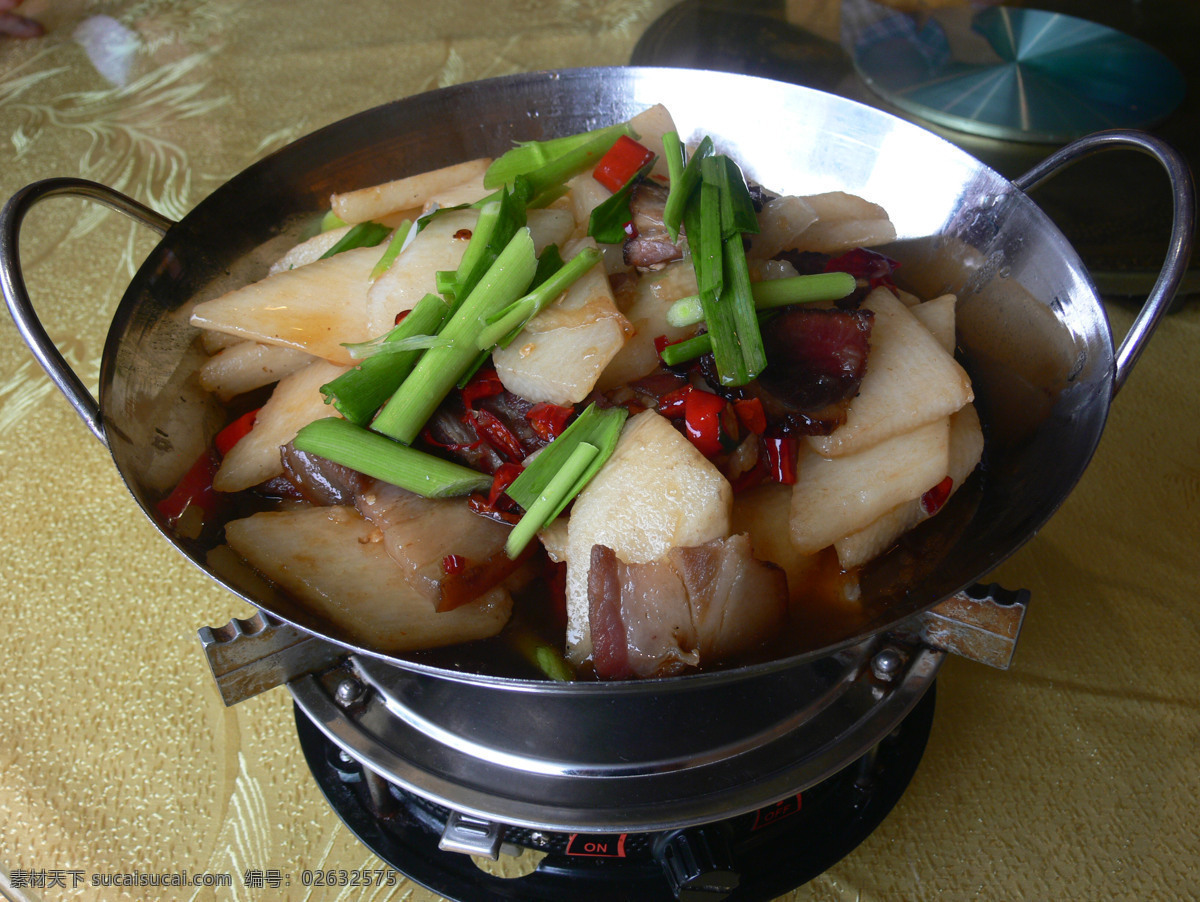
x=12 y=282
x=1183 y=223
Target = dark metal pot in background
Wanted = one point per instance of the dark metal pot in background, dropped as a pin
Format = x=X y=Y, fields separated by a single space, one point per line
x=1031 y=331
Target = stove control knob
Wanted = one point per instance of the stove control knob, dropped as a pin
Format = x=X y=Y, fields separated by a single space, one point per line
x=699 y=864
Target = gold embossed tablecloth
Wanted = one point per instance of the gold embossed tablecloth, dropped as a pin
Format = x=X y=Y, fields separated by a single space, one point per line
x=1074 y=775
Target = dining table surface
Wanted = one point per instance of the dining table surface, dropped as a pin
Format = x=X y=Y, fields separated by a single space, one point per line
x=1075 y=774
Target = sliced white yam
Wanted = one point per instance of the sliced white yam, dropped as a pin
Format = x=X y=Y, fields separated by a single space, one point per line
x=296 y=402
x=215 y=342
x=908 y=298
x=782 y=222
x=329 y=559
x=966 y=449
x=655 y=493
x=440 y=246
x=911 y=380
x=764 y=513
x=844 y=222
x=403 y=194
x=937 y=316
x=248 y=365
x=562 y=351
x=466 y=192
x=313 y=308
x=833 y=497
x=650 y=125
x=309 y=251
x=647 y=315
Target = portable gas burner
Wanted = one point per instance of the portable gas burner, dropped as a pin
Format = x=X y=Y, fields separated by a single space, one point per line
x=741 y=788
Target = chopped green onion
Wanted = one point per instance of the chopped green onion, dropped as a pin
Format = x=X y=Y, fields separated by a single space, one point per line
x=681 y=188
x=368 y=452
x=609 y=218
x=688 y=349
x=365 y=234
x=814 y=288
x=385 y=345
x=546 y=182
x=398 y=242
x=597 y=427
x=439 y=369
x=737 y=296
x=555 y=495
x=539 y=653
x=498 y=221
x=331 y=221
x=359 y=392
x=528 y=156
x=505 y=325
x=738 y=215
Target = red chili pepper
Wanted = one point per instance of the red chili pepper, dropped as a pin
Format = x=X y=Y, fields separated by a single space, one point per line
x=504 y=476
x=549 y=420
x=496 y=434
x=483 y=384
x=401 y=316
x=781 y=452
x=702 y=419
x=621 y=163
x=932 y=501
x=193 y=490
x=235 y=432
x=672 y=405
x=453 y=563
x=750 y=415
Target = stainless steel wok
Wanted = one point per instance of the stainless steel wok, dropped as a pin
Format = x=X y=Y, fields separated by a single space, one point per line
x=1031 y=329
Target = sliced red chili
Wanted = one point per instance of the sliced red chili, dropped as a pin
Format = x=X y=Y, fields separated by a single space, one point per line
x=673 y=404
x=495 y=433
x=235 y=432
x=702 y=420
x=933 y=500
x=750 y=415
x=483 y=384
x=621 y=163
x=501 y=480
x=780 y=452
x=193 y=490
x=453 y=563
x=549 y=420
x=401 y=316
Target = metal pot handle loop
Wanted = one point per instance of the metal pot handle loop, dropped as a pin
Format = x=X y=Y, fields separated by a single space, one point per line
x=1183 y=221
x=12 y=282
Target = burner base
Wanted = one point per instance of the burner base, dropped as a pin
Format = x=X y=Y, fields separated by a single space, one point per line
x=765 y=853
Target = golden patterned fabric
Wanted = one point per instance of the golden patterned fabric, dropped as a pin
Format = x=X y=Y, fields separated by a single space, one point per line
x=1074 y=775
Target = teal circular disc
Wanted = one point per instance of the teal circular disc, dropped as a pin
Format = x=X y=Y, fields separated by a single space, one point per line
x=1017 y=74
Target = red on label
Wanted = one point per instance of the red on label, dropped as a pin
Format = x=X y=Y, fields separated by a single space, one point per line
x=772 y=814
x=597 y=845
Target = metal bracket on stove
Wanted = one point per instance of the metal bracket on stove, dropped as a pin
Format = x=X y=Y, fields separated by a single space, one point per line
x=982 y=623
x=251 y=656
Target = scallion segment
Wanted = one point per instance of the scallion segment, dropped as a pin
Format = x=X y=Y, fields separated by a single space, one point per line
x=560 y=489
x=594 y=426
x=737 y=296
x=368 y=452
x=529 y=156
x=439 y=369
x=365 y=234
x=331 y=221
x=807 y=289
x=505 y=325
x=359 y=392
x=608 y=219
x=397 y=243
x=681 y=188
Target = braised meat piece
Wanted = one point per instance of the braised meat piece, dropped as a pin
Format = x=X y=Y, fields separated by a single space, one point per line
x=650 y=246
